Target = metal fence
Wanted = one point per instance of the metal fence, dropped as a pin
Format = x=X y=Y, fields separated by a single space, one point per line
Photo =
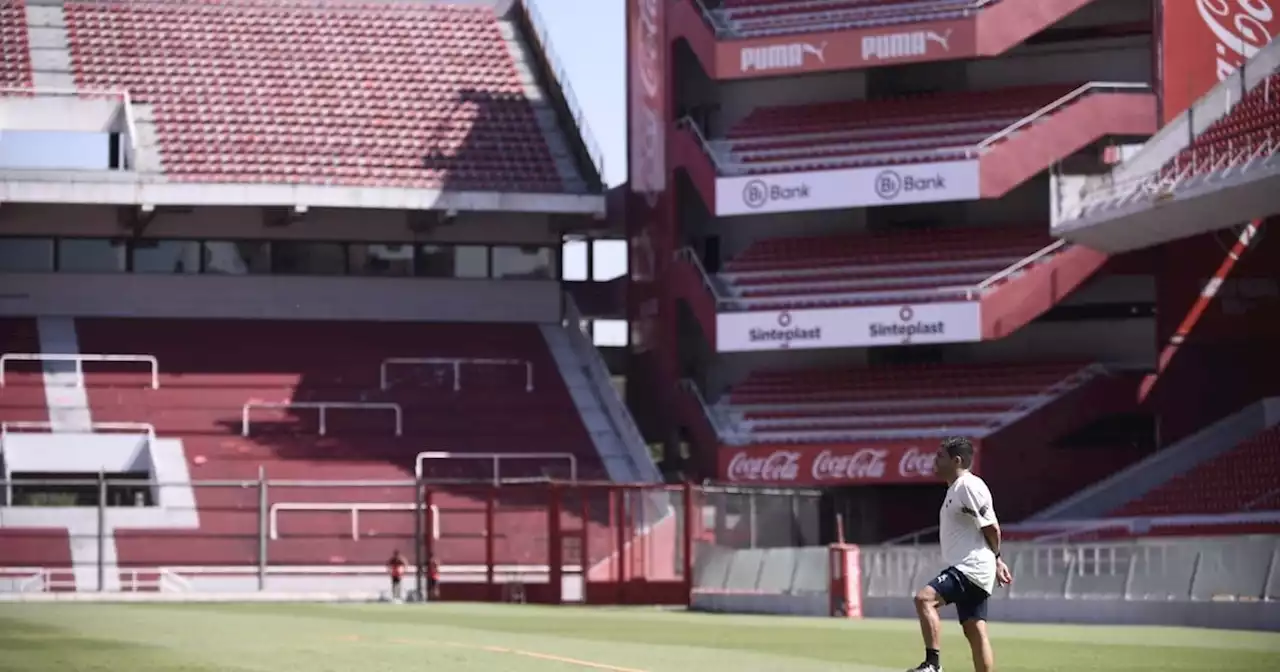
x=116 y=533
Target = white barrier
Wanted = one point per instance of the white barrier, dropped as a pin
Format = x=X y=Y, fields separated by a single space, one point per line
x=273 y=514
x=323 y=407
x=497 y=461
x=80 y=360
x=145 y=427
x=456 y=363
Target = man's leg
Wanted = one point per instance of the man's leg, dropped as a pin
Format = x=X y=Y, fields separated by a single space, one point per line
x=927 y=603
x=975 y=630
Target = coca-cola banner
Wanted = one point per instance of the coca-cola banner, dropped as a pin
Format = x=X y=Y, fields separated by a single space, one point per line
x=1204 y=41
x=824 y=465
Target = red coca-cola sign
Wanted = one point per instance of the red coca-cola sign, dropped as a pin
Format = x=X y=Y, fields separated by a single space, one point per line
x=821 y=465
x=1204 y=41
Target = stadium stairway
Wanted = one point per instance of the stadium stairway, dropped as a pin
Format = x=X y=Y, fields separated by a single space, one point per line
x=1224 y=479
x=1013 y=274
x=541 y=396
x=719 y=36
x=1014 y=134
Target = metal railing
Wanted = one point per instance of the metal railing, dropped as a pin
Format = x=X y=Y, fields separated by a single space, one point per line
x=126 y=101
x=1058 y=104
x=496 y=459
x=323 y=407
x=456 y=363
x=1026 y=262
x=354 y=508
x=145 y=427
x=1163 y=184
x=566 y=88
x=79 y=362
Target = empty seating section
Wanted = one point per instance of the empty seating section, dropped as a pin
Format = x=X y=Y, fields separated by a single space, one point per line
x=907 y=129
x=881 y=268
x=15 y=54
x=395 y=94
x=1245 y=478
x=1255 y=120
x=210 y=369
x=765 y=17
x=902 y=401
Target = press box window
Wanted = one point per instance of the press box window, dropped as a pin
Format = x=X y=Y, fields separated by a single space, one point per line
x=523 y=263
x=242 y=257
x=92 y=255
x=166 y=256
x=26 y=255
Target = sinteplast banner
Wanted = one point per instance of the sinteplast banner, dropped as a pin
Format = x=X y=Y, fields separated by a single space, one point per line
x=854 y=327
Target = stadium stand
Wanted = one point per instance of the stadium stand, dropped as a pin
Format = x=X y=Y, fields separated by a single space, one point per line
x=940 y=127
x=1210 y=168
x=231 y=103
x=895 y=402
x=15 y=56
x=886 y=268
x=1245 y=478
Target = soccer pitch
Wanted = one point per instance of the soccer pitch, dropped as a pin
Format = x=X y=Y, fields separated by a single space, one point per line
x=468 y=637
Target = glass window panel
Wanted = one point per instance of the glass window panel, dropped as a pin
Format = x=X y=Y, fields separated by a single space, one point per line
x=307 y=258
x=382 y=260
x=453 y=261
x=91 y=255
x=574 y=260
x=166 y=256
x=610 y=260
x=242 y=257
x=609 y=333
x=26 y=255
x=523 y=263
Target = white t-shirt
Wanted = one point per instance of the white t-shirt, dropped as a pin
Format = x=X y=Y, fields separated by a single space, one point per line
x=965 y=511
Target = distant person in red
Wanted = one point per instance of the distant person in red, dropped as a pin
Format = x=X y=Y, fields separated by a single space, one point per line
x=395 y=567
x=433 y=578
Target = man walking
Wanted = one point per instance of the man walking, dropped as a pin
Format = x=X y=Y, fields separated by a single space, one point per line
x=970 y=536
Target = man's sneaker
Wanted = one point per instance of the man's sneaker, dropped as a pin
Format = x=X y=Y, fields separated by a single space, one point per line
x=925 y=667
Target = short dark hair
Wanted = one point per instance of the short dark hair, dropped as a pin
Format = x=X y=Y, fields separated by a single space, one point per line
x=958 y=446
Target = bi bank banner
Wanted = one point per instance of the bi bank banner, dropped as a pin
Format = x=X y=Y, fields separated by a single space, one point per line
x=869 y=326
x=847 y=188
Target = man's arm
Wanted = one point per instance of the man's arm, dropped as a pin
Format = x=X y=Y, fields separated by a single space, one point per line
x=992 y=534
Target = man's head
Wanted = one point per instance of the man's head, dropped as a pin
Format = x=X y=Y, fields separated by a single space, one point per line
x=954 y=455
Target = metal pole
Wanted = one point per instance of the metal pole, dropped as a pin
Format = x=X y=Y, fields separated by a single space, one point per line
x=264 y=509
x=752 y=520
x=102 y=531
x=419 y=540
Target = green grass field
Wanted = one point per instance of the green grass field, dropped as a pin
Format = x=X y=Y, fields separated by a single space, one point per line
x=464 y=637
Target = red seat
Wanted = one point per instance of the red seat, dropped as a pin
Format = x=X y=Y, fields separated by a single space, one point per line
x=1245 y=478
x=15 y=46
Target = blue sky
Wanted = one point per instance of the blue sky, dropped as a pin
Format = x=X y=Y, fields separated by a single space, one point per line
x=589 y=39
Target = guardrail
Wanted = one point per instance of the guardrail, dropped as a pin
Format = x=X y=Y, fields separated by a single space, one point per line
x=323 y=407
x=1030 y=259
x=496 y=458
x=79 y=361
x=146 y=427
x=126 y=101
x=456 y=363
x=1045 y=111
x=1164 y=183
x=273 y=514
